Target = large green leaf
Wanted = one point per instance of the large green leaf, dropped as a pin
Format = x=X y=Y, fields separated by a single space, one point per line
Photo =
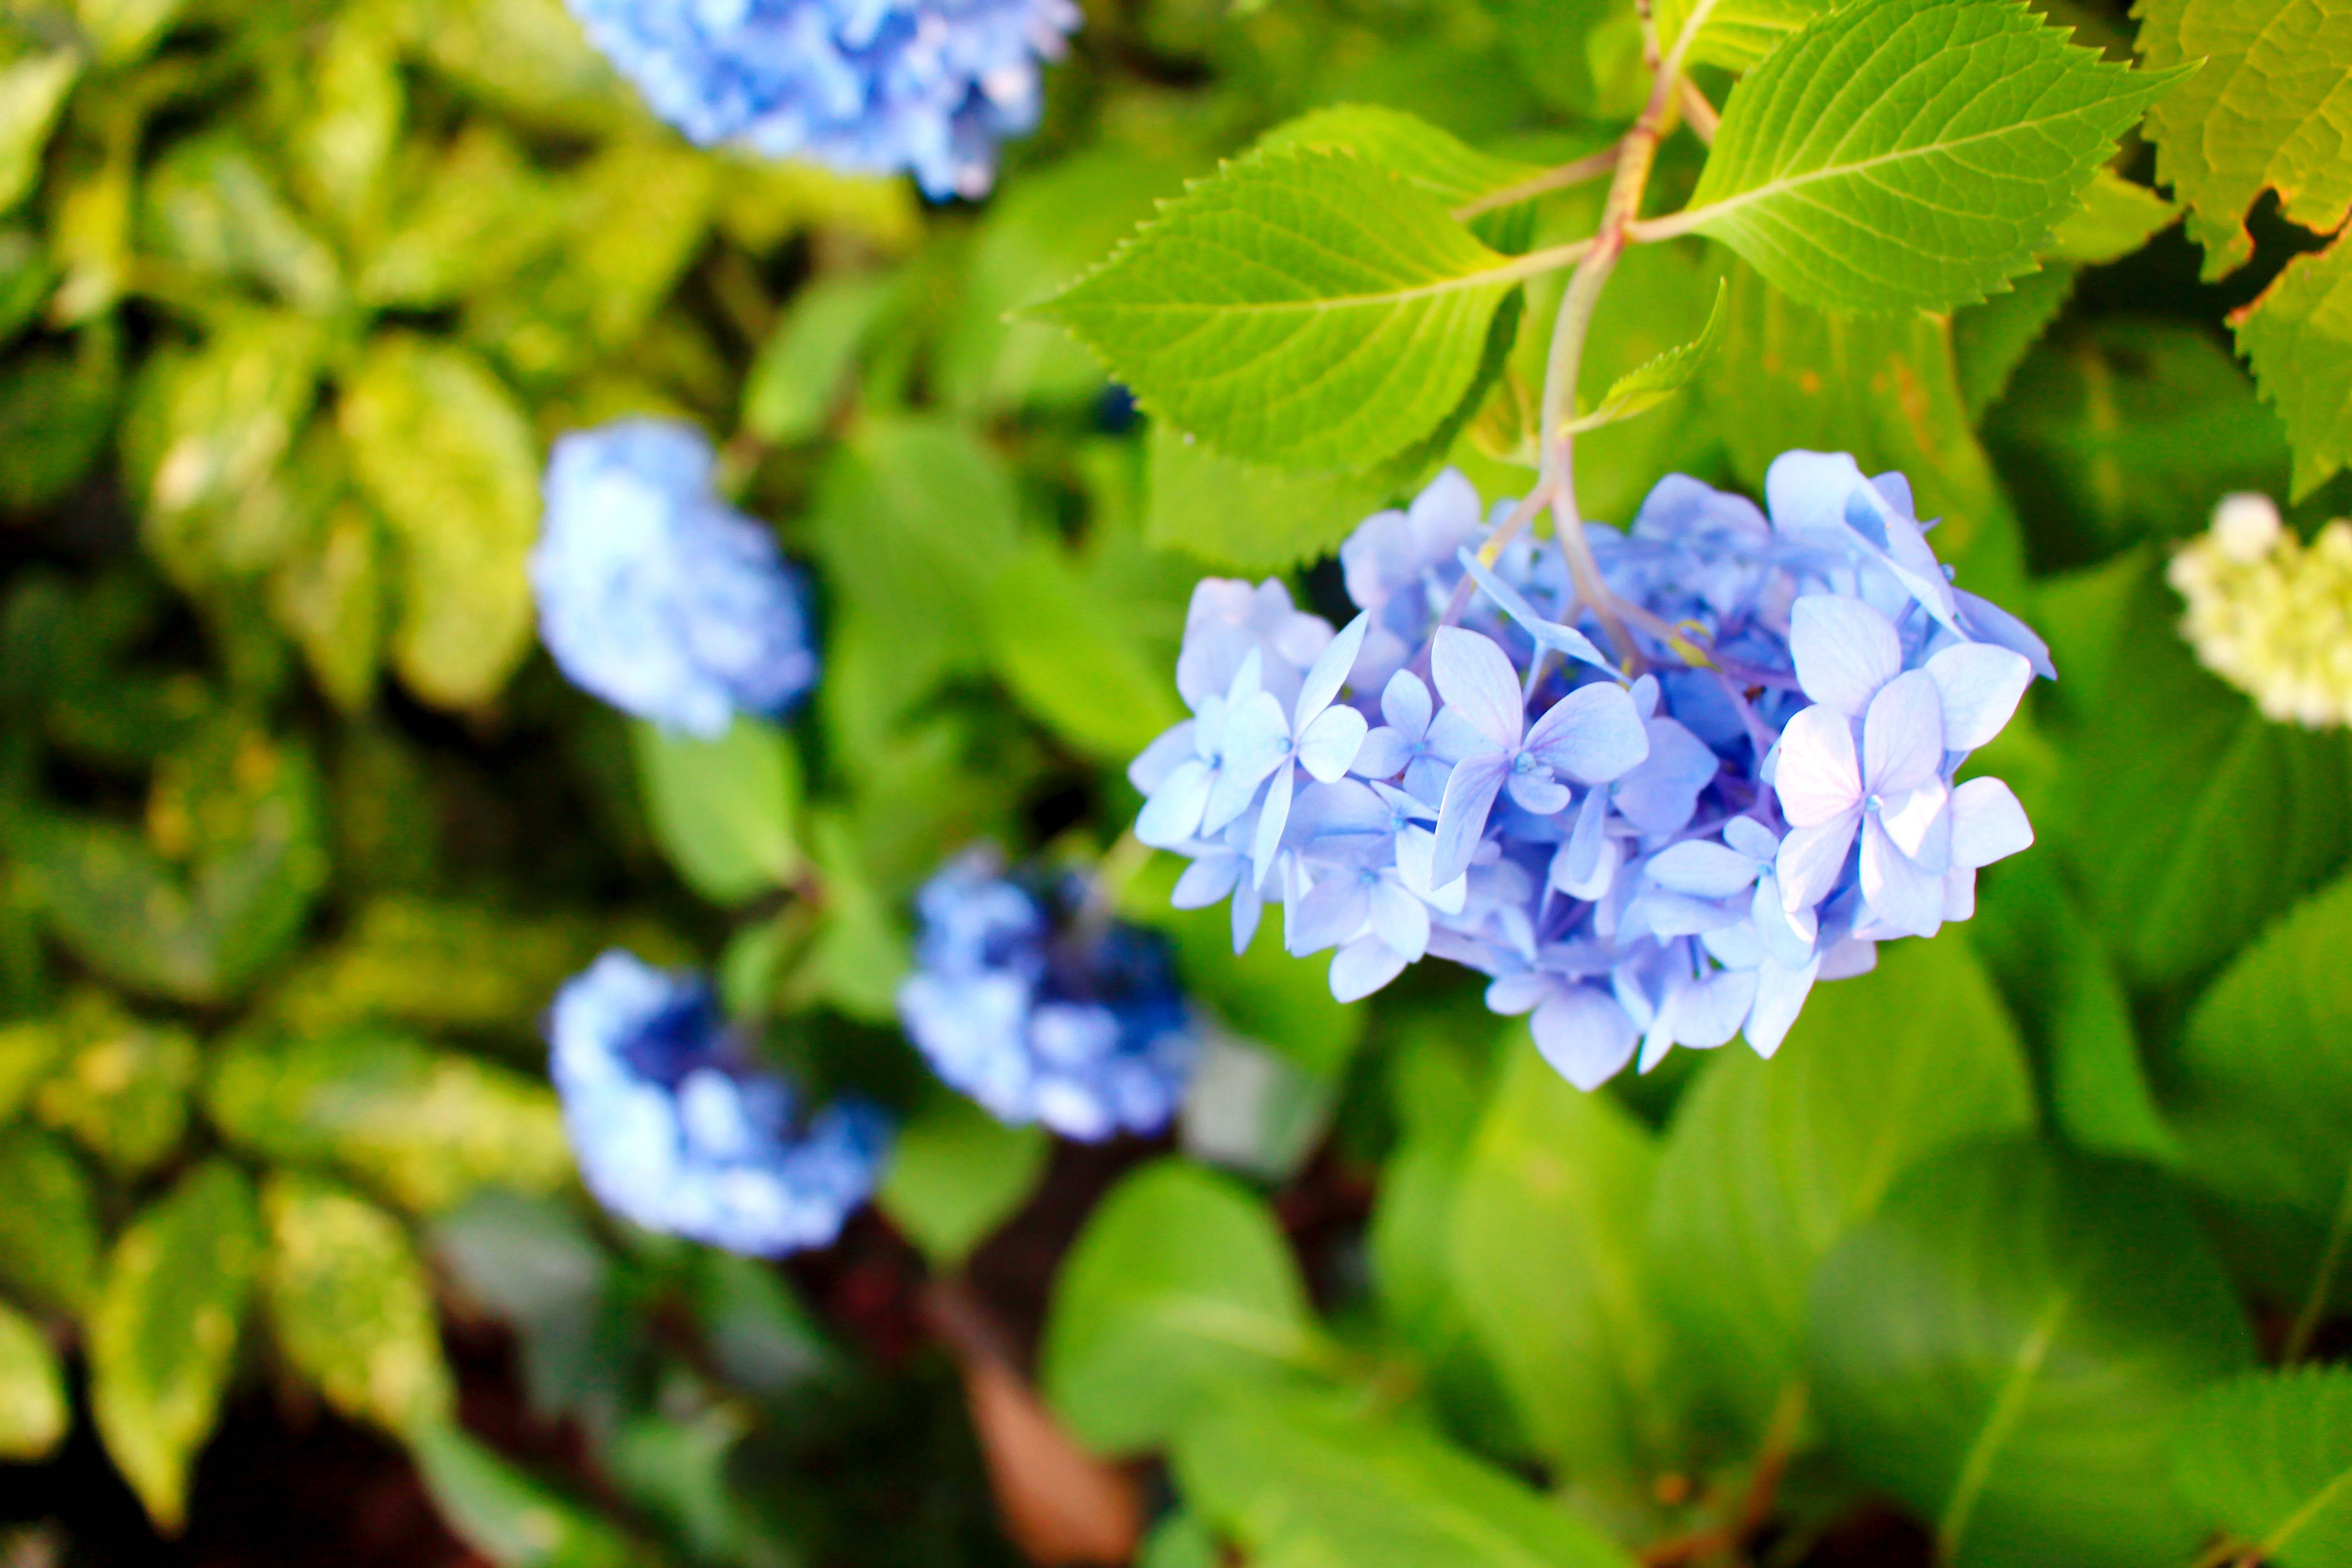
x=2270 y=1455
x=164 y=1334
x=802 y=370
x=1068 y=651
x=350 y=1305
x=32 y=89
x=1178 y=1291
x=49 y=1238
x=345 y=145
x=121 y=1089
x=1290 y=517
x=425 y=1127
x=1911 y=152
x=212 y=208
x=1768 y=1165
x=956 y=1173
x=35 y=1414
x=433 y=961
x=2191 y=820
x=450 y=463
x=1547 y=1257
x=1737 y=33
x=723 y=810
x=1304 y=308
x=2008 y=1346
x=1303 y=1483
x=120 y=31
x=2264 y=112
x=480 y=214
x=503 y=1513
x=1449 y=169
x=2298 y=336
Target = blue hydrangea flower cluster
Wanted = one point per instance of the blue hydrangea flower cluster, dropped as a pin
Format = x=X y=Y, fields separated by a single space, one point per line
x=862 y=86
x=675 y=1130
x=657 y=596
x=1664 y=852
x=1042 y=1011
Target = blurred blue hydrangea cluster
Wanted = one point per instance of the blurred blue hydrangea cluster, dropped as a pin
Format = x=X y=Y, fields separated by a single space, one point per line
x=863 y=86
x=654 y=593
x=675 y=1129
x=1042 y=1009
x=1669 y=851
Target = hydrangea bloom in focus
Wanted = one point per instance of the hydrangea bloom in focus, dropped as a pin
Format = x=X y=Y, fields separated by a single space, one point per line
x=1040 y=1013
x=2270 y=614
x=675 y=1131
x=657 y=596
x=1667 y=853
x=862 y=86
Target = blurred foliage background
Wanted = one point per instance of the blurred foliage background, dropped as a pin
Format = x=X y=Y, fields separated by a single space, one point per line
x=300 y=834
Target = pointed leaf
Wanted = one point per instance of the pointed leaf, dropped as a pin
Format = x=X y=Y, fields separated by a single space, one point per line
x=2270 y=1456
x=956 y=1173
x=35 y=1414
x=723 y=810
x=350 y=1305
x=1639 y=391
x=2298 y=337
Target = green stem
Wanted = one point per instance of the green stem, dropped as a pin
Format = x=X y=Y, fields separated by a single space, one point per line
x=1589 y=167
x=2315 y=1306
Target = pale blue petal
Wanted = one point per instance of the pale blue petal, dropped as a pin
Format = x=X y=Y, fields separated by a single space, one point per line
x=1247 y=908
x=1899 y=892
x=1903 y=738
x=1329 y=672
x=1988 y=622
x=1362 y=967
x=1333 y=912
x=1660 y=796
x=1462 y=816
x=1844 y=650
x=1512 y=994
x=1330 y=742
x=1553 y=634
x=1452 y=737
x=1980 y=686
x=1383 y=754
x=1159 y=759
x=1537 y=795
x=1584 y=1034
x=1987 y=823
x=1592 y=735
x=1751 y=838
x=1810 y=858
x=1399 y=919
x=1476 y=678
x=1405 y=704
x=1271 y=822
x=1706 y=1013
x=1817 y=777
x=1702 y=869
x=1173 y=814
x=1781 y=994
x=1206 y=881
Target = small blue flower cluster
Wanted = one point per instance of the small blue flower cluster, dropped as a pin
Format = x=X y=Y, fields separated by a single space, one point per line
x=862 y=86
x=1041 y=1012
x=1640 y=861
x=657 y=596
x=675 y=1131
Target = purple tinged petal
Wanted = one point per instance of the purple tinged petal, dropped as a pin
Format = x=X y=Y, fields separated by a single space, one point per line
x=1398 y=919
x=1537 y=795
x=1903 y=738
x=1206 y=881
x=1585 y=866
x=1703 y=870
x=1425 y=777
x=1271 y=822
x=1452 y=737
x=1258 y=742
x=1987 y=823
x=1901 y=892
x=1960 y=893
x=1818 y=778
x=1584 y=1034
x=1787 y=935
x=1329 y=672
x=1751 y=838
x=1362 y=967
x=1520 y=991
x=1709 y=1012
x=1416 y=852
x=1780 y=993
x=1844 y=650
x=1159 y=759
x=1462 y=816
x=1476 y=678
x=1383 y=754
x=1988 y=622
x=1247 y=909
x=1810 y=858
x=1592 y=735
x=1329 y=746
x=1333 y=912
x=1921 y=825
x=1980 y=686
x=1854 y=956
x=1547 y=633
x=1405 y=704
x=1659 y=797
x=1173 y=814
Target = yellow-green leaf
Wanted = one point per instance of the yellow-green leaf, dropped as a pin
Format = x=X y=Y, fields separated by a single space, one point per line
x=351 y=1304
x=33 y=1412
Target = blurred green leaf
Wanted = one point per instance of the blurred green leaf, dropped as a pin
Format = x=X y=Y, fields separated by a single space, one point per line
x=1737 y=33
x=1989 y=340
x=507 y=1516
x=121 y=1089
x=477 y=215
x=350 y=1305
x=451 y=464
x=26 y=279
x=724 y=810
x=2298 y=338
x=858 y=954
x=802 y=370
x=212 y=207
x=1768 y=1163
x=1067 y=651
x=2009 y=1345
x=28 y=1049
x=528 y=58
x=123 y=30
x=1299 y=1482
x=55 y=413
x=1179 y=1291
x=329 y=595
x=2116 y=218
x=49 y=1239
x=35 y=1414
x=759 y=1334
x=343 y=151
x=1180 y=1541
x=2270 y=1455
x=239 y=811
x=956 y=1173
x=436 y=962
x=32 y=89
x=1546 y=1256
x=164 y=1334
x=532 y=1262
x=675 y=1466
x=1290 y=517
x=423 y=1128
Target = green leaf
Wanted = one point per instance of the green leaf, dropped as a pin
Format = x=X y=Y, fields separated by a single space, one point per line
x=723 y=810
x=350 y=1305
x=479 y=214
x=436 y=962
x=1547 y=1257
x=427 y=1128
x=123 y=30
x=240 y=812
x=1989 y=341
x=163 y=1336
x=1406 y=145
x=35 y=1414
x=1178 y=1540
x=345 y=145
x=1306 y=308
x=2270 y=1455
x=1640 y=390
x=448 y=460
x=32 y=89
x=2264 y=112
x=802 y=370
x=122 y=1089
x=329 y=595
x=49 y=1238
x=532 y=1262
x=55 y=413
x=211 y=207
x=1738 y=34
x=1914 y=154
x=956 y=1173
x=507 y=1516
x=1069 y=652
x=2298 y=337
x=2055 y=972
x=858 y=956
x=1300 y=1482
x=1768 y=1165
x=1291 y=517
x=1178 y=1291
x=529 y=57
x=2116 y=218
x=2008 y=1346
x=2188 y=818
